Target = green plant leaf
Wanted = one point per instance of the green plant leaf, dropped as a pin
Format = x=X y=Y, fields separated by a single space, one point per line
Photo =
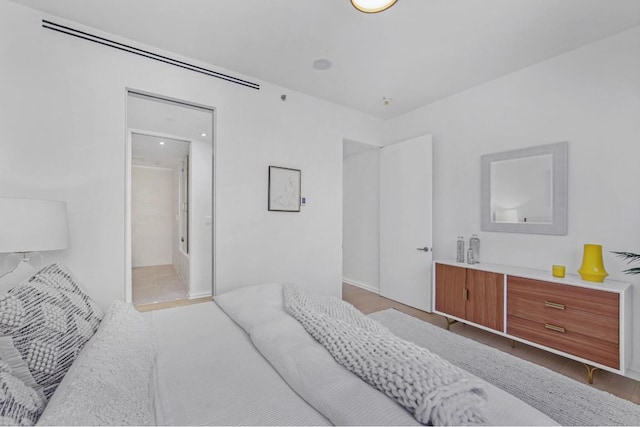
x=629 y=256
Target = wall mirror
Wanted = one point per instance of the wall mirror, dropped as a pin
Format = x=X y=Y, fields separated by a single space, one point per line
x=525 y=191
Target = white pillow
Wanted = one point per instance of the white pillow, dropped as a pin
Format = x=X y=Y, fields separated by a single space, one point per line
x=110 y=381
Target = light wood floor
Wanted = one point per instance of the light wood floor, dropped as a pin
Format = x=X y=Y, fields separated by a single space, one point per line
x=157 y=283
x=626 y=388
x=170 y=304
x=159 y=287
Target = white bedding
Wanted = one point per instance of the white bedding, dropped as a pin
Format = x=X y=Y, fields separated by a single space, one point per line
x=111 y=382
x=305 y=364
x=340 y=395
x=209 y=372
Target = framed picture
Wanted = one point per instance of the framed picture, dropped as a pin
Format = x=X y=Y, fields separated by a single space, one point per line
x=284 y=189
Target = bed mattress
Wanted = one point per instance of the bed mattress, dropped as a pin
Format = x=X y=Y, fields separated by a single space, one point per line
x=262 y=368
x=209 y=373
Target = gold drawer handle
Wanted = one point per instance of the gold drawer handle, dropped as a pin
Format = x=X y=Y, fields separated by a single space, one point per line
x=554 y=305
x=554 y=327
x=465 y=294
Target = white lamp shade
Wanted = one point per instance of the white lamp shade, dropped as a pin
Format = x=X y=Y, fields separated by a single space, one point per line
x=32 y=225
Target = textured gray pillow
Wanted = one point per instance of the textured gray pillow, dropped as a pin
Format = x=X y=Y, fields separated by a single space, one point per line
x=19 y=403
x=49 y=318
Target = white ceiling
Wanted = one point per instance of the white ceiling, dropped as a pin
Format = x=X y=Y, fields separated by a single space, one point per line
x=152 y=120
x=146 y=150
x=168 y=118
x=415 y=53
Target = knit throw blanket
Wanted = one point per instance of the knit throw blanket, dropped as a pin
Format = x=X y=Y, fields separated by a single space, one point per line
x=432 y=389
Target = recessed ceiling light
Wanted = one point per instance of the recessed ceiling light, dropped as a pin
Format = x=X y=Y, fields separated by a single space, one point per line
x=385 y=100
x=203 y=134
x=161 y=142
x=372 y=6
x=321 y=64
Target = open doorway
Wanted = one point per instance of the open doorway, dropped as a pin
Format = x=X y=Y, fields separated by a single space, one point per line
x=361 y=215
x=169 y=178
x=387 y=219
x=159 y=219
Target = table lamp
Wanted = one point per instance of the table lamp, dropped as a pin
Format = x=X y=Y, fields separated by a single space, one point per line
x=29 y=226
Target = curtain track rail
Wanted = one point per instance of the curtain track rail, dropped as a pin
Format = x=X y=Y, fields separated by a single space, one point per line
x=140 y=52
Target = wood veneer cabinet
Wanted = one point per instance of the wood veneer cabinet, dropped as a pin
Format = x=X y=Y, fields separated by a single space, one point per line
x=450 y=287
x=578 y=321
x=473 y=295
x=586 y=321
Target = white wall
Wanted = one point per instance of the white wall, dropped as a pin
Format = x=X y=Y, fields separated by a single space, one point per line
x=62 y=136
x=200 y=219
x=361 y=217
x=589 y=97
x=151 y=216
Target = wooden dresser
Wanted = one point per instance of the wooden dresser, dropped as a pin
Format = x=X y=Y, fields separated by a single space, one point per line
x=586 y=321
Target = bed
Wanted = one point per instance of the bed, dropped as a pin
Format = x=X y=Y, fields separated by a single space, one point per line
x=241 y=360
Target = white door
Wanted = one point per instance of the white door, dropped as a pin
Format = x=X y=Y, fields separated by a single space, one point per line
x=405 y=222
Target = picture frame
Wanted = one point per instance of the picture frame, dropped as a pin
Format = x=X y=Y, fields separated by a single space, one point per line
x=284 y=189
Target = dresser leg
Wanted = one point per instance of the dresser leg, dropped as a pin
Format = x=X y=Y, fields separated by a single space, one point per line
x=450 y=322
x=590 y=371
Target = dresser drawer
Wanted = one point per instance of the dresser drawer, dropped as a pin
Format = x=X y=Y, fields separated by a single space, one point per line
x=548 y=311
x=573 y=298
x=586 y=347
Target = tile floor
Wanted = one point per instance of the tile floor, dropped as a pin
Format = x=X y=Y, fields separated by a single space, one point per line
x=157 y=283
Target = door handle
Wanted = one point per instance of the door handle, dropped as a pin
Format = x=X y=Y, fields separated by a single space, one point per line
x=426 y=249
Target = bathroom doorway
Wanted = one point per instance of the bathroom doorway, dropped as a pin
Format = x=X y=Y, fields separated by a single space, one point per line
x=159 y=218
x=169 y=200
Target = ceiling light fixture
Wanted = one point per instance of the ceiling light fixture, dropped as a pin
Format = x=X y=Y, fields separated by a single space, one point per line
x=203 y=134
x=161 y=142
x=372 y=6
x=385 y=100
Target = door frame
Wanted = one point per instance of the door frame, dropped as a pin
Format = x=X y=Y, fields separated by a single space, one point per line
x=128 y=286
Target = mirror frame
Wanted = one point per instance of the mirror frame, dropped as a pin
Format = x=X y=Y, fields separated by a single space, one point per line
x=559 y=153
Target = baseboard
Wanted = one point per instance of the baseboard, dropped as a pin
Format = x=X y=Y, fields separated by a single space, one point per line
x=361 y=285
x=198 y=295
x=632 y=373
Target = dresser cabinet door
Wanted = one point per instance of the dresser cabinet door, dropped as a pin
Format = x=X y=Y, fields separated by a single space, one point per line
x=485 y=304
x=450 y=290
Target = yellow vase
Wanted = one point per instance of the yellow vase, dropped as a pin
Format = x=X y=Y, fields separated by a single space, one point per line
x=592 y=269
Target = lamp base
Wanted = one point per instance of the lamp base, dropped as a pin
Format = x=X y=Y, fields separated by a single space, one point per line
x=13 y=261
